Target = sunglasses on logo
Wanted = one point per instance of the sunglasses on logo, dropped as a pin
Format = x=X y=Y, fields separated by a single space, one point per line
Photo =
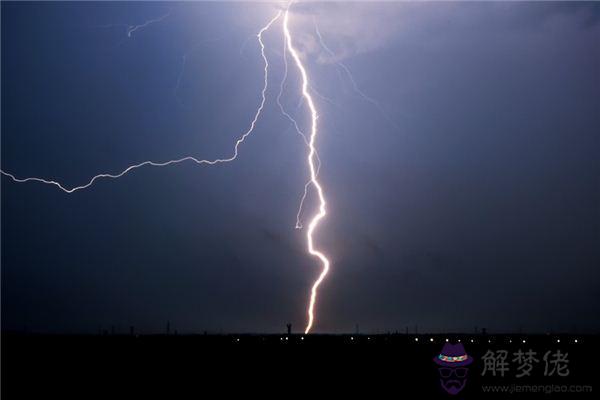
x=457 y=372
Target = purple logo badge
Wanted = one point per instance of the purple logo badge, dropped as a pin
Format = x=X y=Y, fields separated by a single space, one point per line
x=452 y=366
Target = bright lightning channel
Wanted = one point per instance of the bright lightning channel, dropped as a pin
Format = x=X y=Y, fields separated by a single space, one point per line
x=313 y=173
x=239 y=141
x=298 y=131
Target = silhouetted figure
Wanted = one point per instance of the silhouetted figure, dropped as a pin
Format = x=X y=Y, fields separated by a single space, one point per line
x=168 y=327
x=289 y=328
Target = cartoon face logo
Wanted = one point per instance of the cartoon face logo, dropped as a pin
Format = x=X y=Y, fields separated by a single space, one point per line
x=452 y=366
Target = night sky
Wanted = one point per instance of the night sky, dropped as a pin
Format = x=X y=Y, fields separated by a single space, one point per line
x=470 y=197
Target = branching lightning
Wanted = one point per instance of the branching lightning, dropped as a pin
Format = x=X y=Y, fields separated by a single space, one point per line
x=239 y=141
x=313 y=160
x=312 y=226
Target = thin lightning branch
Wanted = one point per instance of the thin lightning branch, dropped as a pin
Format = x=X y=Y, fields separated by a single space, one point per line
x=319 y=95
x=180 y=77
x=301 y=205
x=133 y=28
x=313 y=173
x=350 y=76
x=322 y=96
x=343 y=67
x=239 y=141
x=130 y=29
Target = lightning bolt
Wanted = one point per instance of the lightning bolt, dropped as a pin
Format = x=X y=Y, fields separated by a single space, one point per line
x=310 y=141
x=239 y=141
x=314 y=222
x=298 y=131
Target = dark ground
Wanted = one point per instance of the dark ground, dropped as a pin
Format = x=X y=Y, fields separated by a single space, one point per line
x=393 y=366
